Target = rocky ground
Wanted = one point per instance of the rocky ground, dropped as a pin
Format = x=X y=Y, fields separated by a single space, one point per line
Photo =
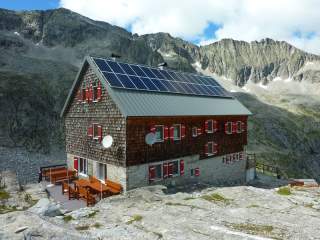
x=203 y=212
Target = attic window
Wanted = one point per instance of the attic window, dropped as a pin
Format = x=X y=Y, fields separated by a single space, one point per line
x=95 y=93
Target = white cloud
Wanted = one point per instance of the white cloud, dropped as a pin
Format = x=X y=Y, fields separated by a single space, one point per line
x=239 y=19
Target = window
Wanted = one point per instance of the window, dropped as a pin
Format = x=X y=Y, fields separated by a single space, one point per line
x=101 y=171
x=175 y=168
x=228 y=127
x=83 y=166
x=212 y=148
x=194 y=132
x=83 y=94
x=159 y=133
x=158 y=171
x=95 y=93
x=95 y=131
x=210 y=126
x=176 y=132
x=239 y=127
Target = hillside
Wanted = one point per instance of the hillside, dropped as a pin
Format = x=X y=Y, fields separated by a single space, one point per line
x=41 y=51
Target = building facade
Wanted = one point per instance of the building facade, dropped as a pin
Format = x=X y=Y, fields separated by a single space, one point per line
x=197 y=138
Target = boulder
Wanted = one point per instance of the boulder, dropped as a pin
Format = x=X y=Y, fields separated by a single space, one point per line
x=53 y=210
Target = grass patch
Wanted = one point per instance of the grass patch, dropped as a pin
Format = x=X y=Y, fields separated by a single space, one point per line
x=159 y=235
x=264 y=230
x=182 y=205
x=285 y=191
x=82 y=228
x=135 y=218
x=189 y=198
x=4 y=194
x=97 y=225
x=6 y=209
x=215 y=197
x=253 y=206
x=67 y=218
x=93 y=214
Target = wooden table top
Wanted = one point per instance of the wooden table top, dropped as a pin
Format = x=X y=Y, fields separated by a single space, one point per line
x=96 y=186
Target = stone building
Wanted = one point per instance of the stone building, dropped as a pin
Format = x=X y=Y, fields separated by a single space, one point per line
x=200 y=129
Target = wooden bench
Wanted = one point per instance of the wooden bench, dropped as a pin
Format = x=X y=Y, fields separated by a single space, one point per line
x=113 y=187
x=93 y=180
x=46 y=172
x=84 y=193
x=62 y=176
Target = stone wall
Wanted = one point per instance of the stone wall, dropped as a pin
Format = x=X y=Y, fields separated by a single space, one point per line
x=81 y=115
x=213 y=170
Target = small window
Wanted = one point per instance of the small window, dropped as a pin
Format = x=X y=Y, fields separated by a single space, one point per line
x=159 y=133
x=95 y=131
x=212 y=148
x=83 y=166
x=95 y=93
x=229 y=128
x=210 y=126
x=194 y=132
x=83 y=94
x=239 y=127
x=176 y=132
x=158 y=172
x=175 y=168
x=101 y=171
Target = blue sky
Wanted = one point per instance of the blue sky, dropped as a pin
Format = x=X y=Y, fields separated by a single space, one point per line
x=204 y=21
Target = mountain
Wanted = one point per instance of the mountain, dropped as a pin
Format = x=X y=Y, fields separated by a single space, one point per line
x=41 y=51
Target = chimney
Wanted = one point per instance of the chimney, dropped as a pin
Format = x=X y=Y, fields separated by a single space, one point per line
x=115 y=56
x=162 y=65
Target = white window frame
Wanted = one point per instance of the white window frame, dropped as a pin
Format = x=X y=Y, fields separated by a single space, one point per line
x=161 y=172
x=196 y=131
x=229 y=123
x=177 y=125
x=212 y=130
x=212 y=149
x=93 y=127
x=84 y=171
x=240 y=129
x=158 y=140
x=178 y=173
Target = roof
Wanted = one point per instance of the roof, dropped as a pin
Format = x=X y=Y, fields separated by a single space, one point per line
x=139 y=103
x=147 y=103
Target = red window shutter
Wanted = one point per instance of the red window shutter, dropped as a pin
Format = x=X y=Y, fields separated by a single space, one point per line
x=166 y=133
x=243 y=127
x=199 y=131
x=99 y=133
x=153 y=129
x=75 y=163
x=99 y=92
x=197 y=172
x=181 y=167
x=152 y=173
x=165 y=170
x=87 y=94
x=183 y=131
x=206 y=149
x=215 y=126
x=234 y=127
x=171 y=133
x=206 y=124
x=170 y=169
x=90 y=131
x=215 y=148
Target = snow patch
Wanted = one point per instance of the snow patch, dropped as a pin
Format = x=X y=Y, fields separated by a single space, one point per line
x=263 y=86
x=16 y=33
x=197 y=65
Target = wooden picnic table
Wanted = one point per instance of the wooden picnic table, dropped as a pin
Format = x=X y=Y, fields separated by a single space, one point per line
x=97 y=187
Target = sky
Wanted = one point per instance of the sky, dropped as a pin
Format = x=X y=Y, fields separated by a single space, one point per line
x=202 y=21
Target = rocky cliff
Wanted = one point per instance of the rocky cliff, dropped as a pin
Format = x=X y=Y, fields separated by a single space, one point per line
x=41 y=51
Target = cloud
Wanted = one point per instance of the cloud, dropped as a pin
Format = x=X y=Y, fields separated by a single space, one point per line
x=238 y=19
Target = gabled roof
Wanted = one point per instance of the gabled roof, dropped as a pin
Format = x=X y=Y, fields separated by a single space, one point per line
x=146 y=103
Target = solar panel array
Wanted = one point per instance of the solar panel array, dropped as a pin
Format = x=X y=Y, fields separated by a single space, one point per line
x=139 y=77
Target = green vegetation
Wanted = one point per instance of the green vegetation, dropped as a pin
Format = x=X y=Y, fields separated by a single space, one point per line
x=264 y=230
x=6 y=209
x=181 y=204
x=189 y=198
x=135 y=218
x=93 y=214
x=28 y=199
x=82 y=228
x=97 y=225
x=215 y=197
x=67 y=218
x=4 y=194
x=253 y=206
x=284 y=191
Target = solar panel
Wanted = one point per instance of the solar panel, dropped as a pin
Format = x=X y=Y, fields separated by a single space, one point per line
x=139 y=77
